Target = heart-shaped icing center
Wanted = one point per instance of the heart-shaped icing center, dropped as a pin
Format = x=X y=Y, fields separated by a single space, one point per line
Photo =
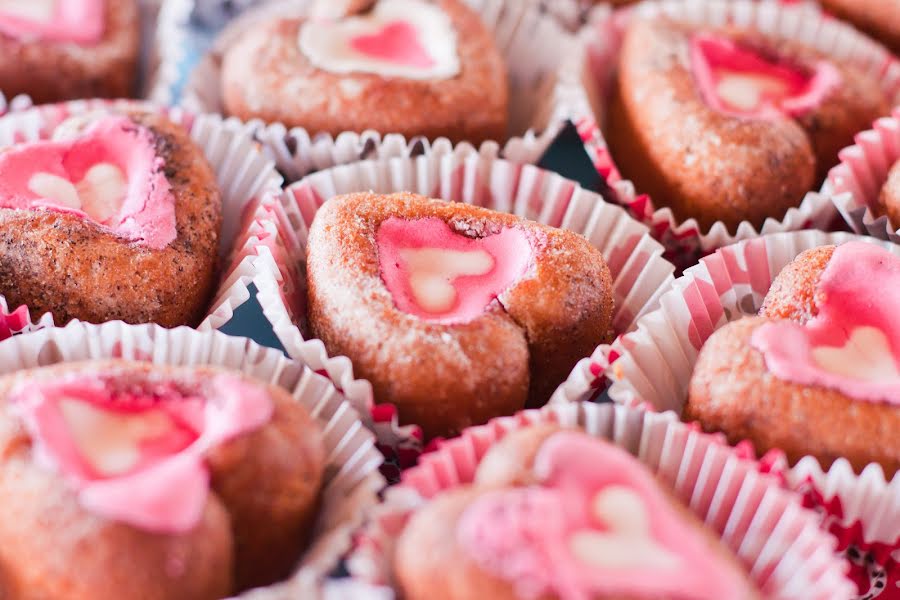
x=853 y=344
x=439 y=275
x=739 y=81
x=76 y=21
x=397 y=38
x=596 y=526
x=124 y=452
x=109 y=174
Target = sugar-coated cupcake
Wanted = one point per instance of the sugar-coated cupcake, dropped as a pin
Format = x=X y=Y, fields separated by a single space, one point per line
x=126 y=480
x=117 y=217
x=56 y=50
x=455 y=313
x=556 y=513
x=731 y=125
x=818 y=372
x=414 y=67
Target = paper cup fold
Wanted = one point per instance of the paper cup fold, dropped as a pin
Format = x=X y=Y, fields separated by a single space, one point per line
x=352 y=481
x=651 y=367
x=193 y=35
x=588 y=75
x=243 y=174
x=779 y=542
x=640 y=274
x=855 y=184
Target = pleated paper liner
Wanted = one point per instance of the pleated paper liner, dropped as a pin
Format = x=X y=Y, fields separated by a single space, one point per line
x=244 y=175
x=778 y=541
x=639 y=272
x=532 y=42
x=588 y=75
x=855 y=184
x=652 y=367
x=352 y=481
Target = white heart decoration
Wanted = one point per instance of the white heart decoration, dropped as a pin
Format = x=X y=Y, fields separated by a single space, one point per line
x=744 y=91
x=433 y=270
x=397 y=38
x=100 y=192
x=628 y=542
x=866 y=355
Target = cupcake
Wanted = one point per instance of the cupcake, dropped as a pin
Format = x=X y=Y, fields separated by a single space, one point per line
x=404 y=66
x=818 y=372
x=60 y=50
x=92 y=453
x=117 y=216
x=888 y=203
x=556 y=513
x=727 y=124
x=455 y=313
x=881 y=19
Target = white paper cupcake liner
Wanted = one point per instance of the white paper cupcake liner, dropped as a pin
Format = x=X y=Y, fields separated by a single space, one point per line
x=640 y=274
x=352 y=481
x=855 y=184
x=780 y=543
x=242 y=172
x=532 y=42
x=652 y=367
x=589 y=72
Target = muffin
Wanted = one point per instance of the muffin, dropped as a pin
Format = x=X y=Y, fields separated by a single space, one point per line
x=455 y=313
x=730 y=125
x=559 y=514
x=817 y=373
x=117 y=217
x=406 y=66
x=91 y=455
x=880 y=19
x=55 y=50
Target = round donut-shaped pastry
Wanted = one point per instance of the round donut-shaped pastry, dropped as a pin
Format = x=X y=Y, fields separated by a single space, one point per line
x=889 y=199
x=727 y=125
x=117 y=217
x=879 y=19
x=794 y=293
x=127 y=480
x=406 y=66
x=587 y=517
x=56 y=50
x=455 y=313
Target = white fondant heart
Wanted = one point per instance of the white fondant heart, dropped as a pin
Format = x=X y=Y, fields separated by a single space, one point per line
x=743 y=91
x=432 y=272
x=398 y=38
x=866 y=355
x=33 y=10
x=628 y=541
x=110 y=441
x=100 y=192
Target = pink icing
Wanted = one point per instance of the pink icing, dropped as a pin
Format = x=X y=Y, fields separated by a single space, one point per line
x=144 y=212
x=125 y=450
x=397 y=42
x=76 y=21
x=525 y=535
x=737 y=81
x=856 y=328
x=462 y=276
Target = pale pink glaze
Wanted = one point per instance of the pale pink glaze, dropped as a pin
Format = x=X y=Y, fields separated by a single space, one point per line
x=76 y=21
x=147 y=211
x=397 y=42
x=163 y=488
x=510 y=252
x=523 y=534
x=791 y=92
x=859 y=288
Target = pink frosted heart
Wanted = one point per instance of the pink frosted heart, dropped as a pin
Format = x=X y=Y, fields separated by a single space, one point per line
x=78 y=21
x=439 y=275
x=739 y=81
x=396 y=42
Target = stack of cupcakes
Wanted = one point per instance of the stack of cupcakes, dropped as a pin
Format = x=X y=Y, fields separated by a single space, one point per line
x=465 y=374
